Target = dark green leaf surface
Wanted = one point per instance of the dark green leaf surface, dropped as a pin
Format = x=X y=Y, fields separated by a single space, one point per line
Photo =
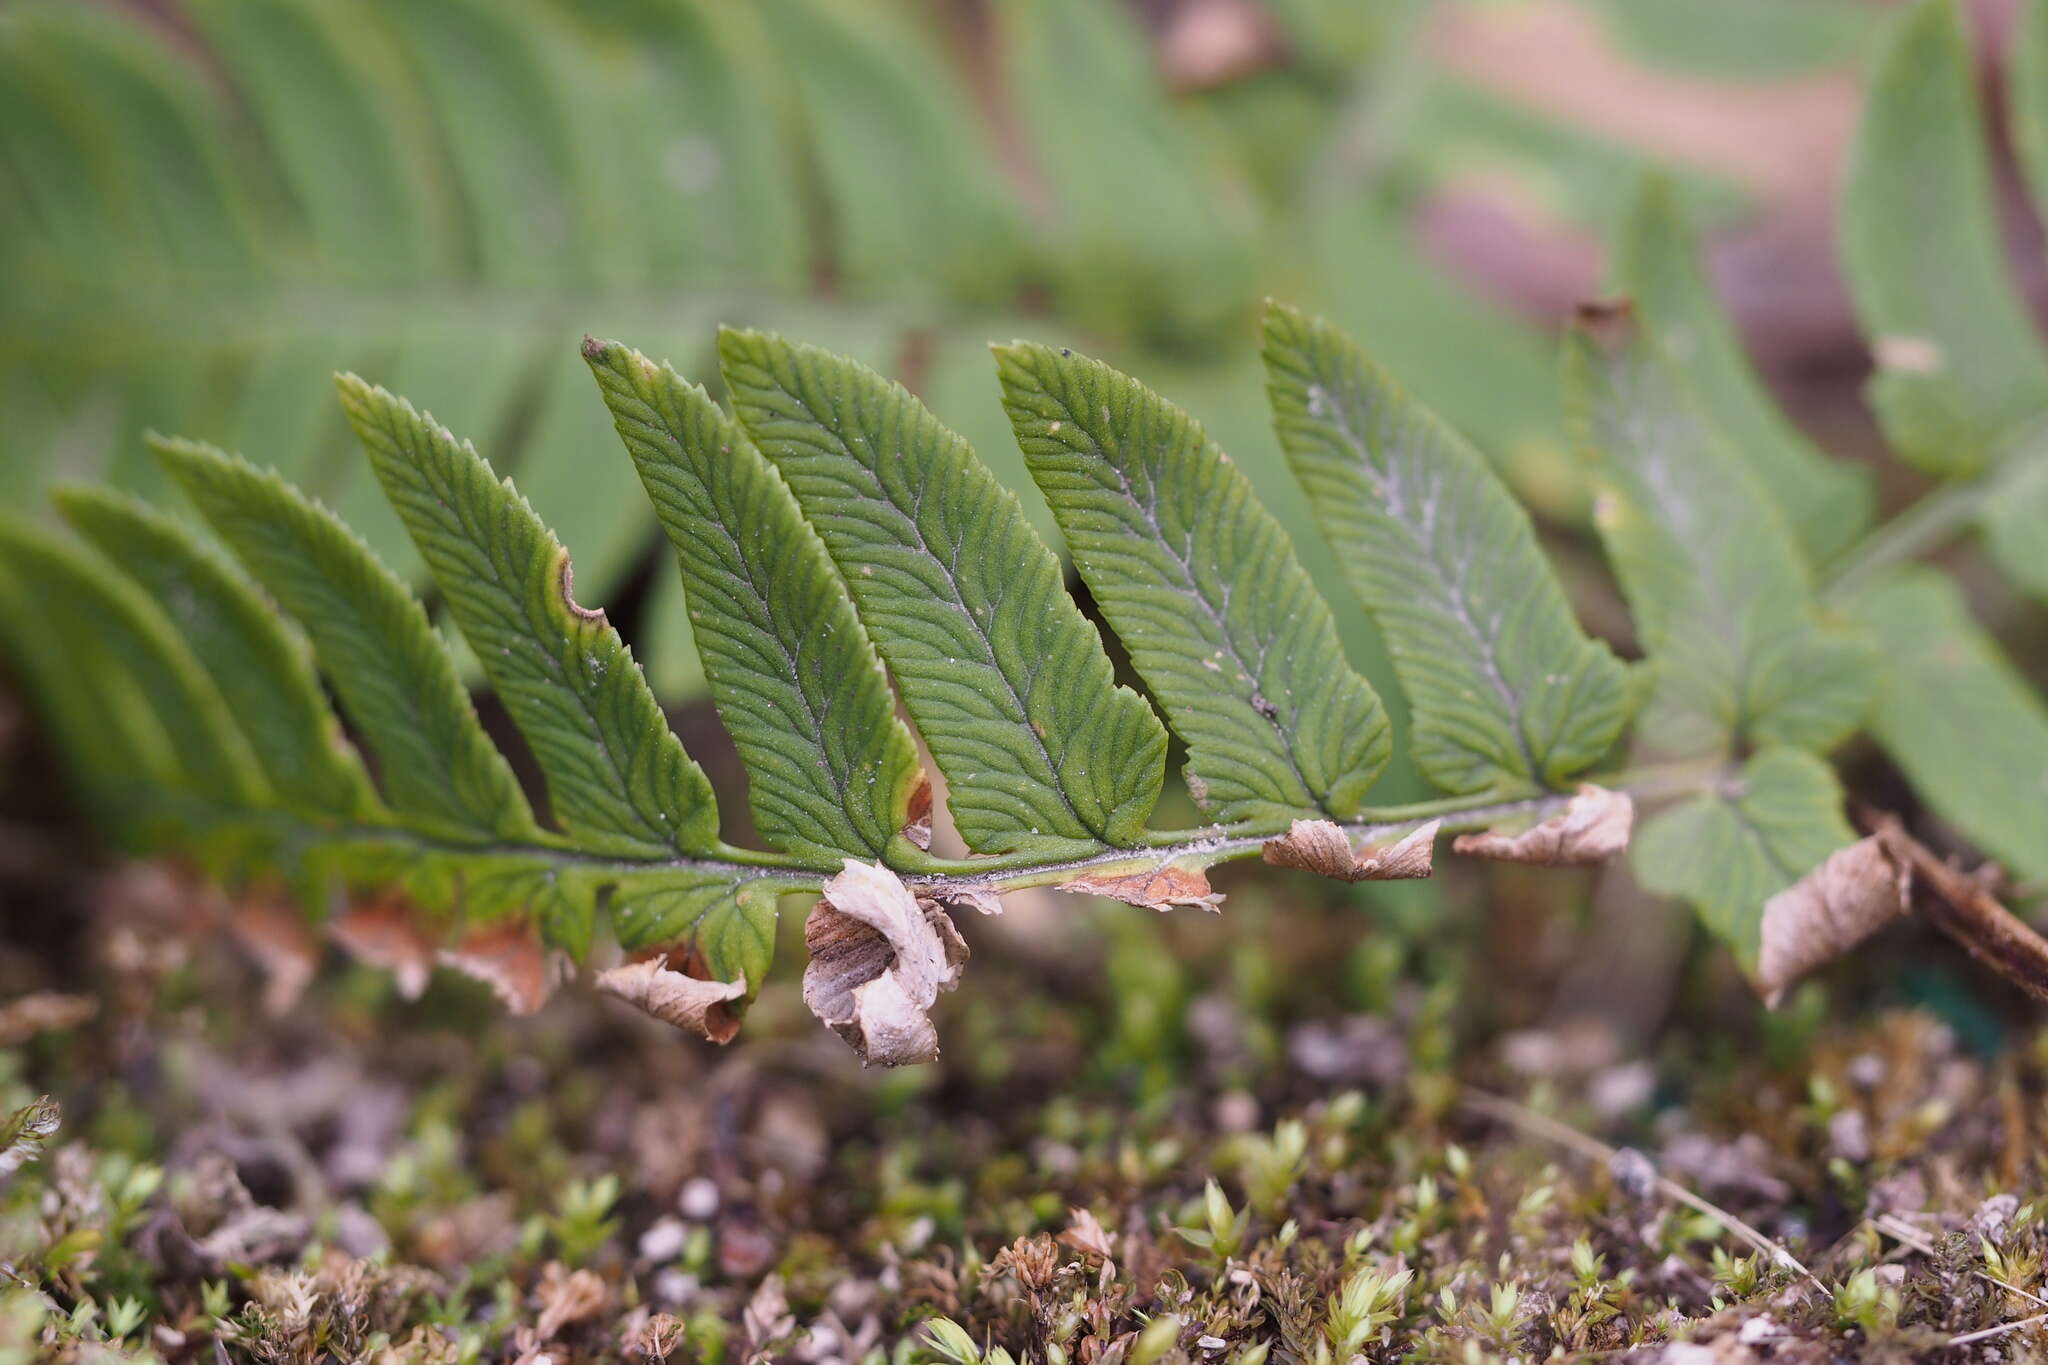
x=1659 y=269
x=1730 y=852
x=1007 y=681
x=1719 y=591
x=264 y=673
x=78 y=594
x=395 y=678
x=1506 y=689
x=618 y=778
x=1963 y=723
x=1959 y=362
x=1199 y=582
x=830 y=769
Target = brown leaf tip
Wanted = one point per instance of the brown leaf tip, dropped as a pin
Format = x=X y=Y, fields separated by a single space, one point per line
x=685 y=998
x=510 y=960
x=385 y=933
x=1166 y=887
x=1321 y=847
x=917 y=816
x=1593 y=827
x=1854 y=893
x=593 y=614
x=1606 y=322
x=879 y=958
x=594 y=350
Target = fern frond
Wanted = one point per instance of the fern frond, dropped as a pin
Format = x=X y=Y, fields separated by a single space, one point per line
x=831 y=525
x=1199 y=583
x=1720 y=592
x=831 y=770
x=1041 y=749
x=1506 y=689
x=264 y=671
x=373 y=640
x=617 y=780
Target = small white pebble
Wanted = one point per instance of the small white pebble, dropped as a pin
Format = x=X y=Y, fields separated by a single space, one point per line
x=699 y=1199
x=664 y=1241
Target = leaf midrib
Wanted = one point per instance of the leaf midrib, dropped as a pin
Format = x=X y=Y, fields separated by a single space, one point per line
x=517 y=600
x=1059 y=781
x=1392 y=489
x=1150 y=513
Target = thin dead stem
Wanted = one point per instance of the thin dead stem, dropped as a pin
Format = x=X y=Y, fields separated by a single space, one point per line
x=1960 y=906
x=1519 y=1116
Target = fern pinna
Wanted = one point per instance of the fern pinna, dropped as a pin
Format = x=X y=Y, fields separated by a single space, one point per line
x=843 y=554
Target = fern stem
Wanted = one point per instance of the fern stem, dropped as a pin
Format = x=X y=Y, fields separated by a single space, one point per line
x=1220 y=844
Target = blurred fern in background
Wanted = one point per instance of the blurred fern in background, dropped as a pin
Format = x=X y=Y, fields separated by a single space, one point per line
x=210 y=205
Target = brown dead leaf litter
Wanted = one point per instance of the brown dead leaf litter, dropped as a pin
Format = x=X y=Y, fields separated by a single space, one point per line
x=1409 y=1161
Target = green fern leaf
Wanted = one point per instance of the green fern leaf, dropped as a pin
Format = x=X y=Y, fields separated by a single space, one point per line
x=728 y=919
x=1731 y=851
x=1042 y=750
x=1959 y=362
x=1199 y=582
x=2015 y=524
x=1719 y=591
x=74 y=591
x=1658 y=268
x=330 y=87
x=1962 y=722
x=263 y=672
x=830 y=768
x=107 y=736
x=618 y=779
x=395 y=678
x=1507 y=691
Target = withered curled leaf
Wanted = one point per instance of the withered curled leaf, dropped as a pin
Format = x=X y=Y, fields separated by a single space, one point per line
x=1592 y=828
x=1166 y=887
x=879 y=958
x=1321 y=847
x=1856 y=892
x=509 y=959
x=917 y=821
x=385 y=933
x=273 y=933
x=980 y=899
x=566 y=1296
x=691 y=1003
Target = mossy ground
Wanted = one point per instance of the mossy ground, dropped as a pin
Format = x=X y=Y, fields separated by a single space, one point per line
x=367 y=1178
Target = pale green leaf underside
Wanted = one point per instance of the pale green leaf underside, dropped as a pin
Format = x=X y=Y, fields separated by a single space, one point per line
x=830 y=768
x=395 y=679
x=1730 y=852
x=1659 y=269
x=1200 y=584
x=1506 y=690
x=1959 y=362
x=1719 y=591
x=1006 y=680
x=617 y=777
x=730 y=921
x=2015 y=521
x=264 y=673
x=1962 y=722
